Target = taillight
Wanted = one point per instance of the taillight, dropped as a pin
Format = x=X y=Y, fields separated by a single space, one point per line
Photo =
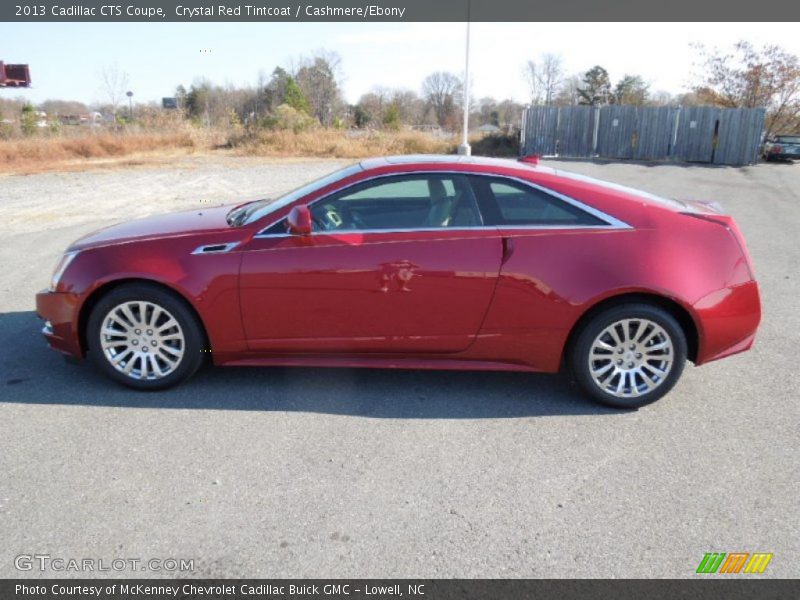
x=775 y=150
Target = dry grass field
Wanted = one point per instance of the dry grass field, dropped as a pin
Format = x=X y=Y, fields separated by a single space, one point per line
x=79 y=150
x=76 y=150
x=333 y=143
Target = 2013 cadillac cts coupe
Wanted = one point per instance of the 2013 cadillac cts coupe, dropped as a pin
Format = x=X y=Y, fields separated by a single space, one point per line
x=416 y=262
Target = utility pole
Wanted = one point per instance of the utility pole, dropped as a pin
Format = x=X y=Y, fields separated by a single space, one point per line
x=465 y=148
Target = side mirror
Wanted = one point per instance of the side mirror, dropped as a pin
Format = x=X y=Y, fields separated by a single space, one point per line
x=299 y=220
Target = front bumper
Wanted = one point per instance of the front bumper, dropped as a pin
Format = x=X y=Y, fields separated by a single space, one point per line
x=60 y=313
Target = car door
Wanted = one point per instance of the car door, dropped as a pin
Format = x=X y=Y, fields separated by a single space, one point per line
x=395 y=264
x=552 y=243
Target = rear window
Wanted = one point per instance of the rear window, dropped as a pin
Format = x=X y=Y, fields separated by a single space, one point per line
x=670 y=203
x=523 y=205
x=788 y=139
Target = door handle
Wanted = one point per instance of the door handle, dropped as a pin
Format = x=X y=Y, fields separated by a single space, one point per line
x=508 y=249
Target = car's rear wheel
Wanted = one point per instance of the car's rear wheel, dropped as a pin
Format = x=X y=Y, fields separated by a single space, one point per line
x=629 y=355
x=144 y=337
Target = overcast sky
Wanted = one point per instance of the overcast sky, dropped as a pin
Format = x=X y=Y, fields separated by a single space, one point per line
x=66 y=59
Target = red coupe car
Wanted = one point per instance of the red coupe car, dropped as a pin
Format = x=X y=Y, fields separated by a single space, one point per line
x=416 y=262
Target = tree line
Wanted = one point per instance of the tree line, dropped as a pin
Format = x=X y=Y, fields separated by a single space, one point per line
x=307 y=92
x=746 y=77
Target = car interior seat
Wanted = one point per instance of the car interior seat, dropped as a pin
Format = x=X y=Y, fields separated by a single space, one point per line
x=465 y=212
x=441 y=207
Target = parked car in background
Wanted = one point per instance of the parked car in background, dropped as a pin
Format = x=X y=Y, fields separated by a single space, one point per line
x=415 y=262
x=782 y=147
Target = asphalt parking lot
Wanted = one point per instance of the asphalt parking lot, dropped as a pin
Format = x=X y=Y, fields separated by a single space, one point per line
x=373 y=473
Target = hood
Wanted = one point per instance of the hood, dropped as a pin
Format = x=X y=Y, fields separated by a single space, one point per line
x=170 y=225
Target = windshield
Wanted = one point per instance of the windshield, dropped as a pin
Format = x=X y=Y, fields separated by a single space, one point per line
x=253 y=211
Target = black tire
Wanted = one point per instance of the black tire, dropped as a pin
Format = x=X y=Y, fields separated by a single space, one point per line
x=580 y=350
x=193 y=341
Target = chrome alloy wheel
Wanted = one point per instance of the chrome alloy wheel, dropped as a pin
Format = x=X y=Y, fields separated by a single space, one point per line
x=142 y=340
x=631 y=357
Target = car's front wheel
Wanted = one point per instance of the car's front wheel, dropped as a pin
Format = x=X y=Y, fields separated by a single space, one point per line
x=629 y=355
x=144 y=337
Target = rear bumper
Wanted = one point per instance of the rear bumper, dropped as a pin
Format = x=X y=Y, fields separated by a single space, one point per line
x=728 y=320
x=790 y=156
x=59 y=311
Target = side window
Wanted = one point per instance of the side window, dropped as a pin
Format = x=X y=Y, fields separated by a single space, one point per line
x=425 y=201
x=278 y=228
x=407 y=188
x=519 y=204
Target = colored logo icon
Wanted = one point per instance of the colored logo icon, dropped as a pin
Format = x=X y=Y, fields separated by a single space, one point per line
x=734 y=562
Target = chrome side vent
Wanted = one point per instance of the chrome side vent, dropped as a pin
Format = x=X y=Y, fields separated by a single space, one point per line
x=215 y=248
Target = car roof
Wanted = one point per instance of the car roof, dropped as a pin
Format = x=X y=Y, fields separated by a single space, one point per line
x=505 y=166
x=444 y=159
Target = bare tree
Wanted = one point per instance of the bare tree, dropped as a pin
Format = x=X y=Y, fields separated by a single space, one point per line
x=532 y=78
x=487 y=111
x=375 y=102
x=410 y=106
x=748 y=77
x=442 y=90
x=568 y=93
x=115 y=84
x=550 y=74
x=509 y=114
x=383 y=105
x=544 y=78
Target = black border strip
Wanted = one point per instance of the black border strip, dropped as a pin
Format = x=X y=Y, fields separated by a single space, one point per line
x=399 y=10
x=738 y=587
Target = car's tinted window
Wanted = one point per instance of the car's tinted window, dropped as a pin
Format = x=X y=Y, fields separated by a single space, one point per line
x=278 y=228
x=408 y=188
x=254 y=211
x=421 y=201
x=520 y=204
x=788 y=139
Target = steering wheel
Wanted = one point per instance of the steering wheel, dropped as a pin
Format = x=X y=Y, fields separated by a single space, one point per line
x=326 y=219
x=333 y=218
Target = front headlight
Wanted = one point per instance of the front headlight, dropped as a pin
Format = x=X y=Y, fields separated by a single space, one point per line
x=62 y=265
